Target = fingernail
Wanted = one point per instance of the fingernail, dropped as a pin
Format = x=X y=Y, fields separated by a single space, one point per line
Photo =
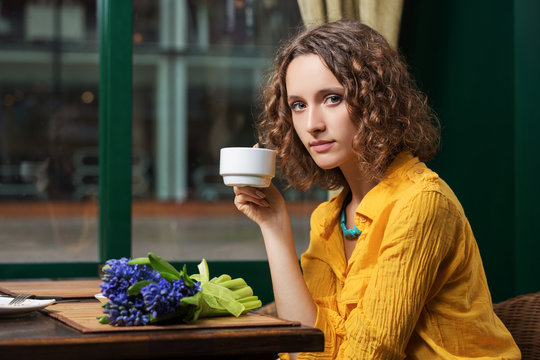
x=259 y=194
x=265 y=203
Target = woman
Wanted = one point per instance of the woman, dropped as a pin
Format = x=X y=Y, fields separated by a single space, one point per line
x=392 y=270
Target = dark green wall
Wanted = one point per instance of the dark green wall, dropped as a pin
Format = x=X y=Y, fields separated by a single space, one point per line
x=464 y=55
x=527 y=144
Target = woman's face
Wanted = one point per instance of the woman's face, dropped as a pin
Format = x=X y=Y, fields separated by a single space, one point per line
x=319 y=112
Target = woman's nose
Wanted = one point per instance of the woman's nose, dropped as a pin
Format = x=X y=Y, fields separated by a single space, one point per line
x=315 y=121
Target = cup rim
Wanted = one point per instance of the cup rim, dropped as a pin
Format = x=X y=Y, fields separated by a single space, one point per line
x=248 y=148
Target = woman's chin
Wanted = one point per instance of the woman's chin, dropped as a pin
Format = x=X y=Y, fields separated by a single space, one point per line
x=327 y=166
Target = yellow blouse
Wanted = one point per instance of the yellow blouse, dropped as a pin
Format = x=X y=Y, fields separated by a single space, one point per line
x=414 y=286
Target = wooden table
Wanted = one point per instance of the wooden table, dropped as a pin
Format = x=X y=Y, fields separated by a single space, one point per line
x=39 y=335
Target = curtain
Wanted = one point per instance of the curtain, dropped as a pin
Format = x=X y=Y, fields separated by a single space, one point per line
x=382 y=15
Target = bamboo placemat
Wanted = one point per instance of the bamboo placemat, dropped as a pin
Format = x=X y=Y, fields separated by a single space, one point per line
x=53 y=288
x=83 y=317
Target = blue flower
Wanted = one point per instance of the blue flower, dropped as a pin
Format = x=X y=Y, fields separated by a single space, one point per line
x=155 y=301
x=162 y=298
x=118 y=276
x=126 y=310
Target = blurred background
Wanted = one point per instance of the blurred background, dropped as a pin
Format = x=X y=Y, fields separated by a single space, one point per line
x=197 y=69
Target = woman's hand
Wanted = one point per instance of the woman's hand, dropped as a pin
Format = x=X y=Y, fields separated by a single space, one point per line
x=265 y=206
x=262 y=205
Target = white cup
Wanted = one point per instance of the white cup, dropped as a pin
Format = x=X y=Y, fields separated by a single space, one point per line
x=247 y=166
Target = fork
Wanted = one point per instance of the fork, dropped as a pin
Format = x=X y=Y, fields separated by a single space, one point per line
x=19 y=299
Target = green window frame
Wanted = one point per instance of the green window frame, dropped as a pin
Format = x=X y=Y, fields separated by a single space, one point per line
x=115 y=128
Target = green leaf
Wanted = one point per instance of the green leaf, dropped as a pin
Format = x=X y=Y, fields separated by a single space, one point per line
x=135 y=289
x=211 y=301
x=252 y=305
x=162 y=266
x=185 y=277
x=193 y=303
x=234 y=284
x=169 y=277
x=221 y=279
x=234 y=307
x=103 y=319
x=243 y=292
x=192 y=314
x=219 y=297
x=191 y=300
x=204 y=271
x=139 y=261
x=247 y=299
x=217 y=291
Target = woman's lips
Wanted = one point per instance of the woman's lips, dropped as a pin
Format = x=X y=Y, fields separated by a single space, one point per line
x=321 y=146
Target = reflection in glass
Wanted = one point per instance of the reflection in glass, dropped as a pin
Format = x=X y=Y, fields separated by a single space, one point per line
x=198 y=67
x=198 y=70
x=48 y=131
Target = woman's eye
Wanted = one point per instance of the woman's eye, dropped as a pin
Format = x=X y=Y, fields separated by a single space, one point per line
x=298 y=106
x=333 y=99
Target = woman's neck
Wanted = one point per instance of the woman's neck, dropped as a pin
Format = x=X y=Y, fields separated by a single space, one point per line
x=358 y=184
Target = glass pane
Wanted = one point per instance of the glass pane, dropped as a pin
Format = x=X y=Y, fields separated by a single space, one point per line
x=198 y=66
x=49 y=72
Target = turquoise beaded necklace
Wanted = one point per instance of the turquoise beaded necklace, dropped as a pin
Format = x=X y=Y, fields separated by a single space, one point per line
x=348 y=233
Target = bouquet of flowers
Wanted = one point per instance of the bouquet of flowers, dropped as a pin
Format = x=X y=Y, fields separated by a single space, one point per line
x=150 y=290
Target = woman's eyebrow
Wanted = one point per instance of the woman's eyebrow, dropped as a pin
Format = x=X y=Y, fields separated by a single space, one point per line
x=334 y=89
x=324 y=91
x=293 y=98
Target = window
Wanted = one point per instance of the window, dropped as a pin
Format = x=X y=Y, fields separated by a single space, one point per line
x=197 y=71
x=49 y=72
x=197 y=76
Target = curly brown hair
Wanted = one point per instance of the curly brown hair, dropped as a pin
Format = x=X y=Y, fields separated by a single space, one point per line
x=389 y=111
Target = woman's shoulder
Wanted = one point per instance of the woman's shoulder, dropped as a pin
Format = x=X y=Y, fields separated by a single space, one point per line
x=427 y=180
x=406 y=176
x=424 y=186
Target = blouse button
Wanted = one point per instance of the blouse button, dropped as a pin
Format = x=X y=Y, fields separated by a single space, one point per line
x=419 y=171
